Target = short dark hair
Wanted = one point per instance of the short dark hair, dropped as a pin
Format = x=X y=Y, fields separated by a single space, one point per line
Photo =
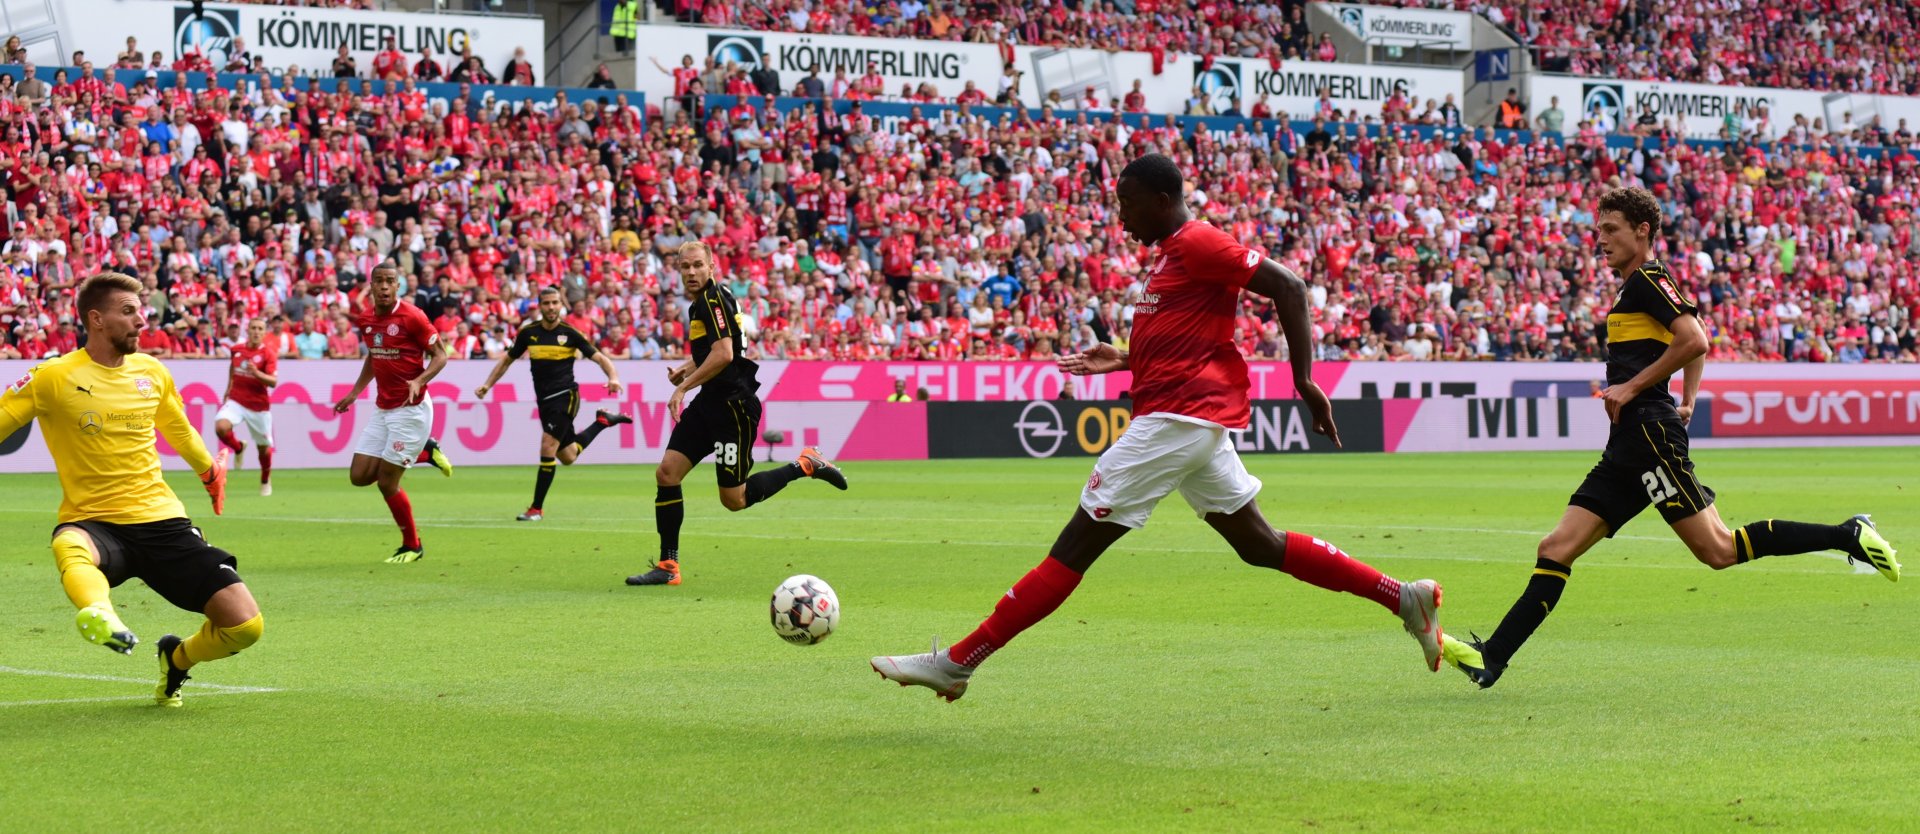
x=1637 y=205
x=1158 y=173
x=95 y=291
x=550 y=288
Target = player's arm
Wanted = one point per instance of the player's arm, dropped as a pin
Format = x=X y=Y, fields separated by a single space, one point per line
x=1688 y=346
x=170 y=417
x=717 y=361
x=1690 y=387
x=366 y=376
x=1290 y=301
x=679 y=372
x=269 y=376
x=606 y=366
x=436 y=360
x=500 y=367
x=17 y=406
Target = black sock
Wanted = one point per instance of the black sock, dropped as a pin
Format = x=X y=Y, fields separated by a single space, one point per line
x=1786 y=538
x=585 y=436
x=542 y=481
x=668 y=511
x=1529 y=611
x=763 y=485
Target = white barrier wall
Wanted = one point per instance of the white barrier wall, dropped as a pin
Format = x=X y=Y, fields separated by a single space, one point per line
x=306 y=36
x=1704 y=107
x=1292 y=87
x=1431 y=28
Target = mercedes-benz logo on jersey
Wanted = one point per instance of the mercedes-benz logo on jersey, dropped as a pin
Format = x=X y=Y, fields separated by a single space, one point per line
x=90 y=423
x=1609 y=98
x=744 y=50
x=1355 y=18
x=1040 y=429
x=212 y=32
x=1220 y=83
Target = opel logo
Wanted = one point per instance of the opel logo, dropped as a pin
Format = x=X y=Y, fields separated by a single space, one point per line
x=1040 y=429
x=90 y=423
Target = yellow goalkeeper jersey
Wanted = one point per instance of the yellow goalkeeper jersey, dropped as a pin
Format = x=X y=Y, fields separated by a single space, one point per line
x=99 y=425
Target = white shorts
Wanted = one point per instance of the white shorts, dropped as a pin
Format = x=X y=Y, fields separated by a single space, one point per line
x=397 y=435
x=258 y=423
x=1158 y=455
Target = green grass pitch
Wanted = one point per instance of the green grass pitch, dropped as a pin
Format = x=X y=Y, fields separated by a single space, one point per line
x=511 y=682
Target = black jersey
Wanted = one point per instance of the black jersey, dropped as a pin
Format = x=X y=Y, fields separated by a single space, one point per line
x=1637 y=335
x=715 y=316
x=553 y=350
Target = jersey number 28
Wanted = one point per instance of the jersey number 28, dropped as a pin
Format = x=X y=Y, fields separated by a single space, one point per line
x=727 y=453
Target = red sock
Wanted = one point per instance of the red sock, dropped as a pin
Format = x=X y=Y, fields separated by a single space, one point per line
x=1029 y=601
x=1315 y=562
x=403 y=516
x=426 y=456
x=228 y=440
x=266 y=462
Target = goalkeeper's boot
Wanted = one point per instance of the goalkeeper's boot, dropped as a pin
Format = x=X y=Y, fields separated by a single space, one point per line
x=816 y=466
x=1420 y=611
x=438 y=458
x=665 y=572
x=404 y=554
x=1469 y=657
x=933 y=670
x=101 y=626
x=167 y=694
x=1870 y=547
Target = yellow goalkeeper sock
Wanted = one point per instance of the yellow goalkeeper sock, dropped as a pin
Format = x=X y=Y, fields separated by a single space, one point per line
x=82 y=579
x=213 y=643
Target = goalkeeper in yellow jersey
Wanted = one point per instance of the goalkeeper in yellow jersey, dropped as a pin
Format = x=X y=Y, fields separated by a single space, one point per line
x=98 y=408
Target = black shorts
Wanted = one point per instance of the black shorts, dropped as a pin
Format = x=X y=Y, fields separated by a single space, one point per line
x=170 y=556
x=1644 y=463
x=723 y=428
x=557 y=413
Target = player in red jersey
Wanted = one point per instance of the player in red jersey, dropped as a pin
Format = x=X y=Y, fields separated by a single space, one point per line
x=1189 y=388
x=404 y=353
x=255 y=369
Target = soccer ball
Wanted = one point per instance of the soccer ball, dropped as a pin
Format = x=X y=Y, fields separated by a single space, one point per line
x=804 y=610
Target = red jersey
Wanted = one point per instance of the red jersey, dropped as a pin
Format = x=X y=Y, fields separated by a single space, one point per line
x=398 y=343
x=1182 y=355
x=245 y=390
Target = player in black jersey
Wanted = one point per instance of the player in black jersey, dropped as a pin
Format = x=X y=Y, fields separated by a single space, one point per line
x=554 y=344
x=1651 y=333
x=723 y=420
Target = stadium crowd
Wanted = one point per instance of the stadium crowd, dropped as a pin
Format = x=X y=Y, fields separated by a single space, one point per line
x=949 y=236
x=1844 y=45
x=1262 y=29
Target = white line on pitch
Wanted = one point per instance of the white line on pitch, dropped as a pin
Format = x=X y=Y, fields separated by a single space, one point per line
x=212 y=688
x=49 y=701
x=561 y=528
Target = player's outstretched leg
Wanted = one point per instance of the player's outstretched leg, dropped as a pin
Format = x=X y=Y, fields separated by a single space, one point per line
x=233 y=604
x=1318 y=563
x=1483 y=661
x=87 y=588
x=810 y=464
x=602 y=420
x=1857 y=537
x=1030 y=600
x=431 y=454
